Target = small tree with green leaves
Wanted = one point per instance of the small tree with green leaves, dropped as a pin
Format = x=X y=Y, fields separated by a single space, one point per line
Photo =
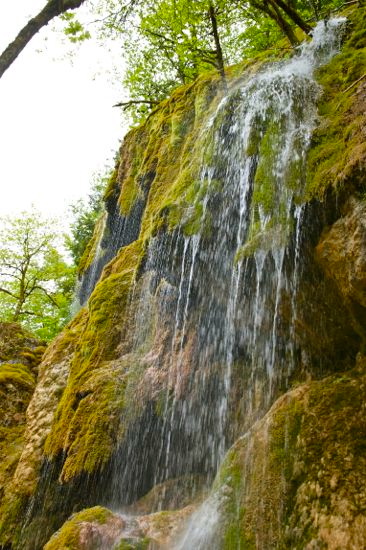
x=85 y=213
x=36 y=284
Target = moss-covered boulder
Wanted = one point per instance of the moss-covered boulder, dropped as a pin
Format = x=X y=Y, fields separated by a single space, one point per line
x=91 y=529
x=98 y=528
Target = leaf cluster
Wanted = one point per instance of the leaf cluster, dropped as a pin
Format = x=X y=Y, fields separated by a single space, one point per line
x=85 y=214
x=36 y=283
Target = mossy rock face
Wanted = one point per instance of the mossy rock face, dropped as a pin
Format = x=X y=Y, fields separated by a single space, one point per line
x=91 y=529
x=337 y=157
x=17 y=384
x=87 y=421
x=297 y=479
x=20 y=354
x=31 y=431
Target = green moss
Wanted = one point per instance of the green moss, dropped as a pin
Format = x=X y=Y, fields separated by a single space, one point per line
x=17 y=374
x=68 y=537
x=264 y=192
x=14 y=508
x=235 y=535
x=17 y=383
x=112 y=184
x=14 y=341
x=87 y=420
x=338 y=149
x=298 y=473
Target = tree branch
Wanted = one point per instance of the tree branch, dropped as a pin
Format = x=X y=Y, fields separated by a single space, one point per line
x=37 y=287
x=8 y=292
x=52 y=9
x=127 y=104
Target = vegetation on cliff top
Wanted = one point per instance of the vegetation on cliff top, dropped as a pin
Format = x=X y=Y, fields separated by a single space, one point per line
x=167 y=43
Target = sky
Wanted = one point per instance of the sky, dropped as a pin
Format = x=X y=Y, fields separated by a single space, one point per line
x=57 y=122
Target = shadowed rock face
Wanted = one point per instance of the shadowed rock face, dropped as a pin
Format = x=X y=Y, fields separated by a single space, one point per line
x=235 y=284
x=341 y=252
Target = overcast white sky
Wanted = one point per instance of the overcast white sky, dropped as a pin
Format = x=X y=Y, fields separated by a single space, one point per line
x=57 y=124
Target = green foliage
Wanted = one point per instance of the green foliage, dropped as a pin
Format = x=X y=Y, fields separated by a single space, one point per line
x=86 y=214
x=36 y=284
x=74 y=30
x=171 y=43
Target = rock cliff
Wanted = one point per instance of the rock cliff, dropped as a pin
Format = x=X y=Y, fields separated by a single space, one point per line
x=210 y=392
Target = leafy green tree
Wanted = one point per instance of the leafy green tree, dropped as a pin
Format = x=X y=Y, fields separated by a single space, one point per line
x=85 y=214
x=171 y=42
x=36 y=284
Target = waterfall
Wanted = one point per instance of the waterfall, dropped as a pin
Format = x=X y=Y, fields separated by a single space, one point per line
x=214 y=330
x=257 y=250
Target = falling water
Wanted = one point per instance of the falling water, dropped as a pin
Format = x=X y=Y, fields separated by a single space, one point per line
x=268 y=239
x=218 y=296
x=220 y=293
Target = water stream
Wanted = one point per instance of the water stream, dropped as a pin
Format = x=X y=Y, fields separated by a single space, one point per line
x=226 y=295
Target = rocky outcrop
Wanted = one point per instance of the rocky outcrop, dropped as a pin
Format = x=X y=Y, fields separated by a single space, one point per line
x=20 y=355
x=98 y=529
x=137 y=400
x=342 y=254
x=93 y=529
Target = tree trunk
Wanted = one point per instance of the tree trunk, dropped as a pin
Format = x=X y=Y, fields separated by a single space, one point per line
x=219 y=56
x=294 y=16
x=52 y=9
x=270 y=8
x=275 y=13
